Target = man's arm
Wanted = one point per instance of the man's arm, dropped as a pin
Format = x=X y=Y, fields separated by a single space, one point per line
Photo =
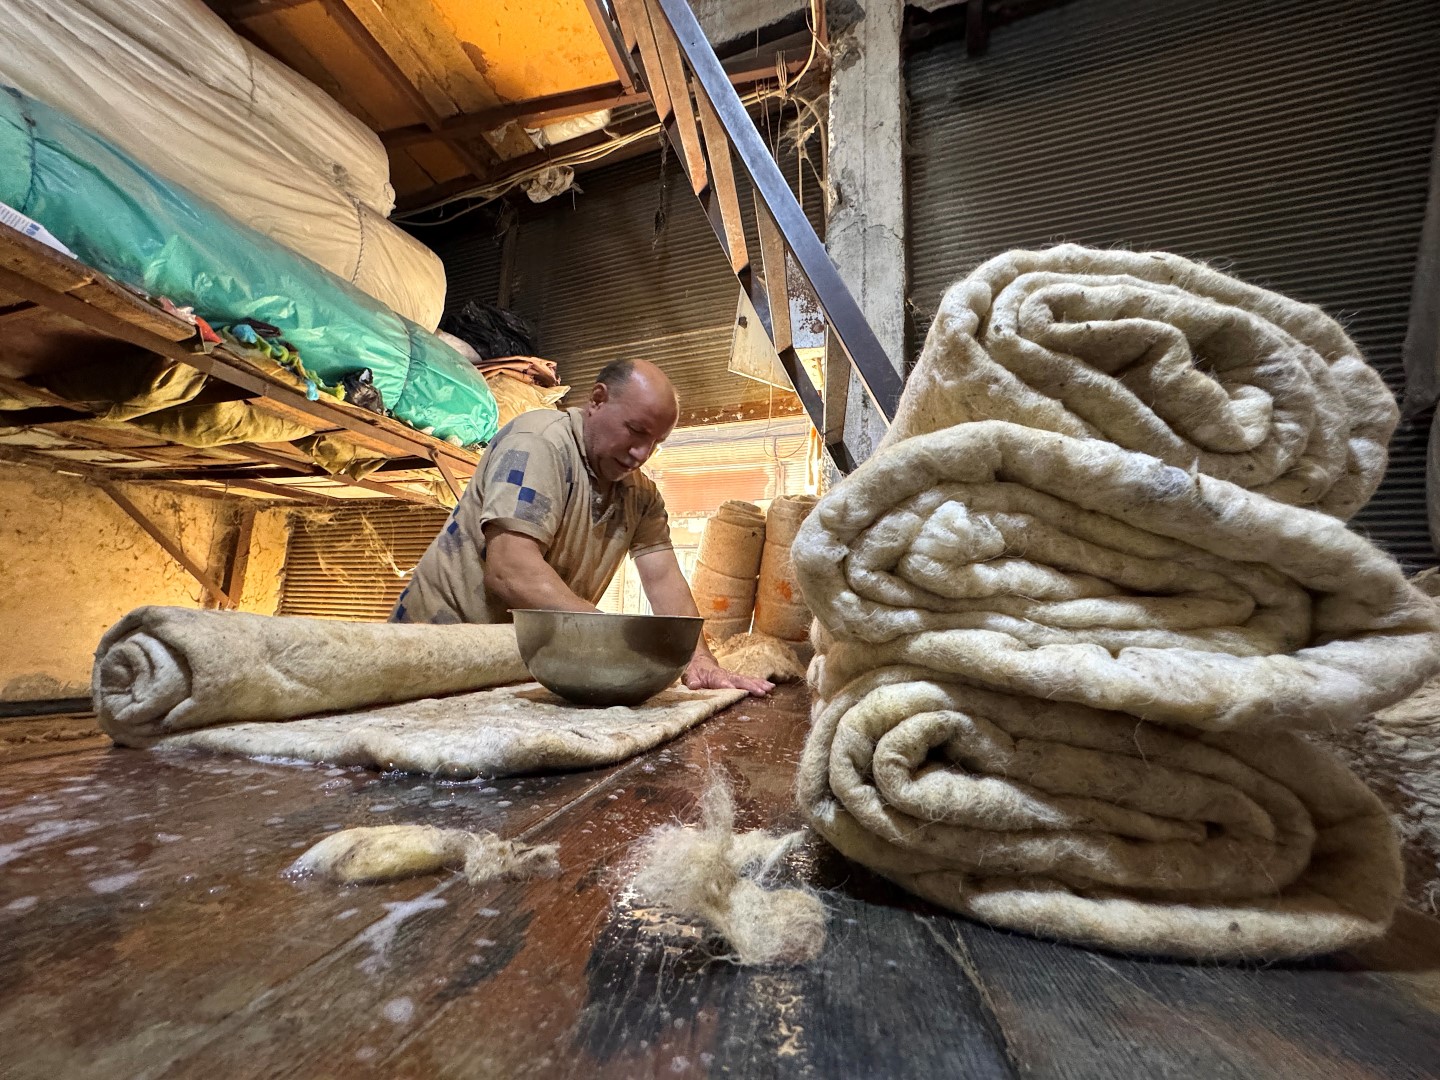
x=517 y=573
x=669 y=594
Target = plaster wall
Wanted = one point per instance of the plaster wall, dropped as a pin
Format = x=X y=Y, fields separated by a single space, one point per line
x=265 y=574
x=72 y=563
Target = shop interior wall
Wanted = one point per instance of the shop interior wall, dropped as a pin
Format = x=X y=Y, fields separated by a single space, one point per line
x=72 y=563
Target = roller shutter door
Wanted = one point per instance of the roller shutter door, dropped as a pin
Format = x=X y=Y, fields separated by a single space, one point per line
x=1287 y=141
x=353 y=564
x=630 y=267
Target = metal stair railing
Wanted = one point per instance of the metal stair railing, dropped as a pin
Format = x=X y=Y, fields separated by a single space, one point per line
x=704 y=121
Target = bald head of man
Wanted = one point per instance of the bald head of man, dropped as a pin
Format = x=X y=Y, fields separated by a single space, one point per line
x=632 y=410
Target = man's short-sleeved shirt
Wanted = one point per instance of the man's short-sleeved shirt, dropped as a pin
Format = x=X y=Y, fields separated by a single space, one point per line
x=534 y=479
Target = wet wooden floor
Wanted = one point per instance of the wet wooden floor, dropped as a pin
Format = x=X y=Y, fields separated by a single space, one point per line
x=146 y=931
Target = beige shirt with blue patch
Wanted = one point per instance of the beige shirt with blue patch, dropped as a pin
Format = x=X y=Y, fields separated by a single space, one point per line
x=534 y=479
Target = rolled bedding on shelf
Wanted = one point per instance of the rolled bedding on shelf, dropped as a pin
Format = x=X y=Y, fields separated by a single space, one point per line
x=176 y=89
x=157 y=237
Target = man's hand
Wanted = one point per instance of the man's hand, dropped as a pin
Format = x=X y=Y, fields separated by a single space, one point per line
x=704 y=673
x=669 y=594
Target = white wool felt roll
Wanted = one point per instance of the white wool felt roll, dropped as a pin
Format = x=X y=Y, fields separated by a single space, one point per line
x=1161 y=355
x=161 y=670
x=1076 y=571
x=1068 y=822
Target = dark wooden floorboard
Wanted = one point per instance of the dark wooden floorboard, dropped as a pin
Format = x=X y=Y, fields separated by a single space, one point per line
x=157 y=904
x=146 y=930
x=26 y=736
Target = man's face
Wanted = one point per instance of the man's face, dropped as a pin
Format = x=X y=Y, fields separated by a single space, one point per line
x=624 y=427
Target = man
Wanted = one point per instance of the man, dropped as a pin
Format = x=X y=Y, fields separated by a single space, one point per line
x=556 y=504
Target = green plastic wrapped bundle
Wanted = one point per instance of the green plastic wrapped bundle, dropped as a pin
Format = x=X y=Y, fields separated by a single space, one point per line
x=159 y=238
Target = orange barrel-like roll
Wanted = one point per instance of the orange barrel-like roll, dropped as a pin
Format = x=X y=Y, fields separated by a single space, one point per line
x=780 y=609
x=724 y=579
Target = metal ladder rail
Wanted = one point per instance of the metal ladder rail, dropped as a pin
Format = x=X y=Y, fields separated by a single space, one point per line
x=704 y=120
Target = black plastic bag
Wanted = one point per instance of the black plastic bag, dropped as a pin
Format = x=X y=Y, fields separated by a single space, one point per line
x=490 y=331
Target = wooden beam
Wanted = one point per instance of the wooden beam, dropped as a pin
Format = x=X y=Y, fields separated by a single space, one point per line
x=280 y=468
x=268 y=396
x=234 y=582
x=835 y=394
x=606 y=29
x=724 y=192
x=784 y=403
x=531 y=113
x=361 y=37
x=635 y=18
x=174 y=550
x=394 y=491
x=97 y=475
x=777 y=285
x=23 y=310
x=449 y=477
x=222 y=475
x=786 y=221
x=256 y=8
x=298 y=464
x=38 y=460
x=554 y=107
x=41 y=415
x=677 y=88
x=24 y=389
x=282 y=491
x=514 y=169
x=365 y=41
x=26 y=267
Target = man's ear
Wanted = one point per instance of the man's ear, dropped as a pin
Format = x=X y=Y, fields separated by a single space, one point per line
x=600 y=394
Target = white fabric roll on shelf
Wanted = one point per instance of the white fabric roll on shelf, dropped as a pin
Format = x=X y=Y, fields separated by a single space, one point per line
x=170 y=84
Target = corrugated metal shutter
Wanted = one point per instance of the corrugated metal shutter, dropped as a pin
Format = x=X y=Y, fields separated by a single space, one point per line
x=472 y=250
x=1285 y=140
x=353 y=564
x=599 y=283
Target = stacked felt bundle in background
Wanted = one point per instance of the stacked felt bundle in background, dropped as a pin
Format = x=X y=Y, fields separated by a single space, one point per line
x=1076 y=613
x=726 y=569
x=780 y=610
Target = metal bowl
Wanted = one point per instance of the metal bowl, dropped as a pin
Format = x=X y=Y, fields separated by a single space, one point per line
x=595 y=658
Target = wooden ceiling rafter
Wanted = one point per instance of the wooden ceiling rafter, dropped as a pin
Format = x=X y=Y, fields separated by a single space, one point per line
x=514 y=169
x=94 y=473
x=612 y=48
x=254 y=9
x=461 y=120
x=170 y=546
x=546 y=110
x=363 y=39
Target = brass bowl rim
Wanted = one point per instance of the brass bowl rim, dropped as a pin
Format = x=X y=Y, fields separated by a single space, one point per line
x=603 y=614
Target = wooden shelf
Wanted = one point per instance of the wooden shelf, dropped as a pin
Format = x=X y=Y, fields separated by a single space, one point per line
x=57 y=313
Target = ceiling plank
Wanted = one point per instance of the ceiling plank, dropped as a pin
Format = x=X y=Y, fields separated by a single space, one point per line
x=26 y=266
x=544 y=110
x=171 y=548
x=245 y=10
x=531 y=113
